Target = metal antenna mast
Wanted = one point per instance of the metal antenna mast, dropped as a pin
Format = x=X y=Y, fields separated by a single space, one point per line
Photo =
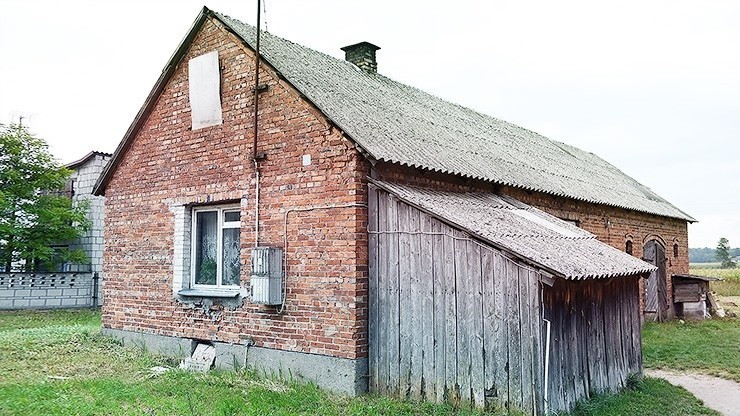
x=256 y=83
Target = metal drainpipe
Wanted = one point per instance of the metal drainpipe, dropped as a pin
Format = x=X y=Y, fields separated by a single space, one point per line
x=256 y=205
x=547 y=366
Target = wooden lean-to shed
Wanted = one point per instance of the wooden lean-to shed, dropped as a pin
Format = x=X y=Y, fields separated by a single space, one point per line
x=691 y=296
x=479 y=298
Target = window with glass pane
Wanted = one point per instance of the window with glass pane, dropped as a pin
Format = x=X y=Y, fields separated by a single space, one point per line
x=230 y=243
x=216 y=247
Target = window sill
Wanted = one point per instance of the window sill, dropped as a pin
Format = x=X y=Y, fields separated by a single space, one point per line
x=209 y=293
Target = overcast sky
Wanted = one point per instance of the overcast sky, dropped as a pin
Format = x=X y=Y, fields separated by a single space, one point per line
x=653 y=87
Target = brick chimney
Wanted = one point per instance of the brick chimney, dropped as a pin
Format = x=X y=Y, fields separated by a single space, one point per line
x=363 y=55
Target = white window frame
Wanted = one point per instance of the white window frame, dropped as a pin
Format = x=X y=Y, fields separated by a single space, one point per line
x=221 y=210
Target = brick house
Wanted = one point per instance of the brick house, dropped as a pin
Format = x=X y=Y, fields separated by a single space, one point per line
x=384 y=208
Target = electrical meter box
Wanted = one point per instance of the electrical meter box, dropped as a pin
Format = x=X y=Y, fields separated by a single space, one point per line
x=267 y=276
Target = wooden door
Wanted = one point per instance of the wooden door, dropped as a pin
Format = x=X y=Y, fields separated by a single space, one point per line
x=655 y=291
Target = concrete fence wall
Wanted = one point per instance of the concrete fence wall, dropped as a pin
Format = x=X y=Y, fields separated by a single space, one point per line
x=49 y=290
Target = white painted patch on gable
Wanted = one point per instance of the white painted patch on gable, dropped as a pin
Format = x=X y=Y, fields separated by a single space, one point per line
x=204 y=82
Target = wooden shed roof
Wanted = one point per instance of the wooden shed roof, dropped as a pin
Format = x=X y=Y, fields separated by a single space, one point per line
x=525 y=231
x=696 y=277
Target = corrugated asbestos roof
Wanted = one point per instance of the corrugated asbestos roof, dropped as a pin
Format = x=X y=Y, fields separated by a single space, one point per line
x=693 y=276
x=524 y=231
x=397 y=123
x=76 y=163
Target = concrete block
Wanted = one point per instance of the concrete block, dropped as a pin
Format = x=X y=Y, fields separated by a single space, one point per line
x=38 y=292
x=37 y=303
x=7 y=293
x=21 y=303
x=54 y=292
x=53 y=302
x=69 y=302
x=230 y=356
x=6 y=304
x=157 y=344
x=340 y=375
x=21 y=293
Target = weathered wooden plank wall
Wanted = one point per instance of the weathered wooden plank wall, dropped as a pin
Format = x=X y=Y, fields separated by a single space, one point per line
x=595 y=343
x=451 y=319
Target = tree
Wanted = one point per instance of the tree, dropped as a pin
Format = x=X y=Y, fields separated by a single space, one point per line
x=722 y=252
x=34 y=212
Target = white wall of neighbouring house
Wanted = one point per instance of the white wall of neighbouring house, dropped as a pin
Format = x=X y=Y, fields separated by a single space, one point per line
x=84 y=177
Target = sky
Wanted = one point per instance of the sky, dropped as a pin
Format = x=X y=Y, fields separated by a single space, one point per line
x=653 y=87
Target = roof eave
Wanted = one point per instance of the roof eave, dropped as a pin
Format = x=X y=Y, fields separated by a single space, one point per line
x=644 y=273
x=686 y=217
x=76 y=163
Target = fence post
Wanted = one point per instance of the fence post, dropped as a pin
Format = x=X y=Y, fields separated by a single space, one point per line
x=95 y=290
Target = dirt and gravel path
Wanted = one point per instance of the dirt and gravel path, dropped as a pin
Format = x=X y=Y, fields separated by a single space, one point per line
x=716 y=393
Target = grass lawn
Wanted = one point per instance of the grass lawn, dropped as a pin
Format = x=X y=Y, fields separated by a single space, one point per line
x=648 y=397
x=710 y=347
x=57 y=363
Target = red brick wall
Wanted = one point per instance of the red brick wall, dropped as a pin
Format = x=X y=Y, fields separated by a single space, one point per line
x=168 y=164
x=610 y=225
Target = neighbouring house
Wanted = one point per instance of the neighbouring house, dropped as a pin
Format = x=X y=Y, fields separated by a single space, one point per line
x=67 y=285
x=368 y=235
x=85 y=173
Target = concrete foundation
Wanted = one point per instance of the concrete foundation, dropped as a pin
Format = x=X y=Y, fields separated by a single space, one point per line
x=339 y=375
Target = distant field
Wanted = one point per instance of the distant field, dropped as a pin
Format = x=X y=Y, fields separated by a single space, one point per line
x=729 y=286
x=705 y=265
